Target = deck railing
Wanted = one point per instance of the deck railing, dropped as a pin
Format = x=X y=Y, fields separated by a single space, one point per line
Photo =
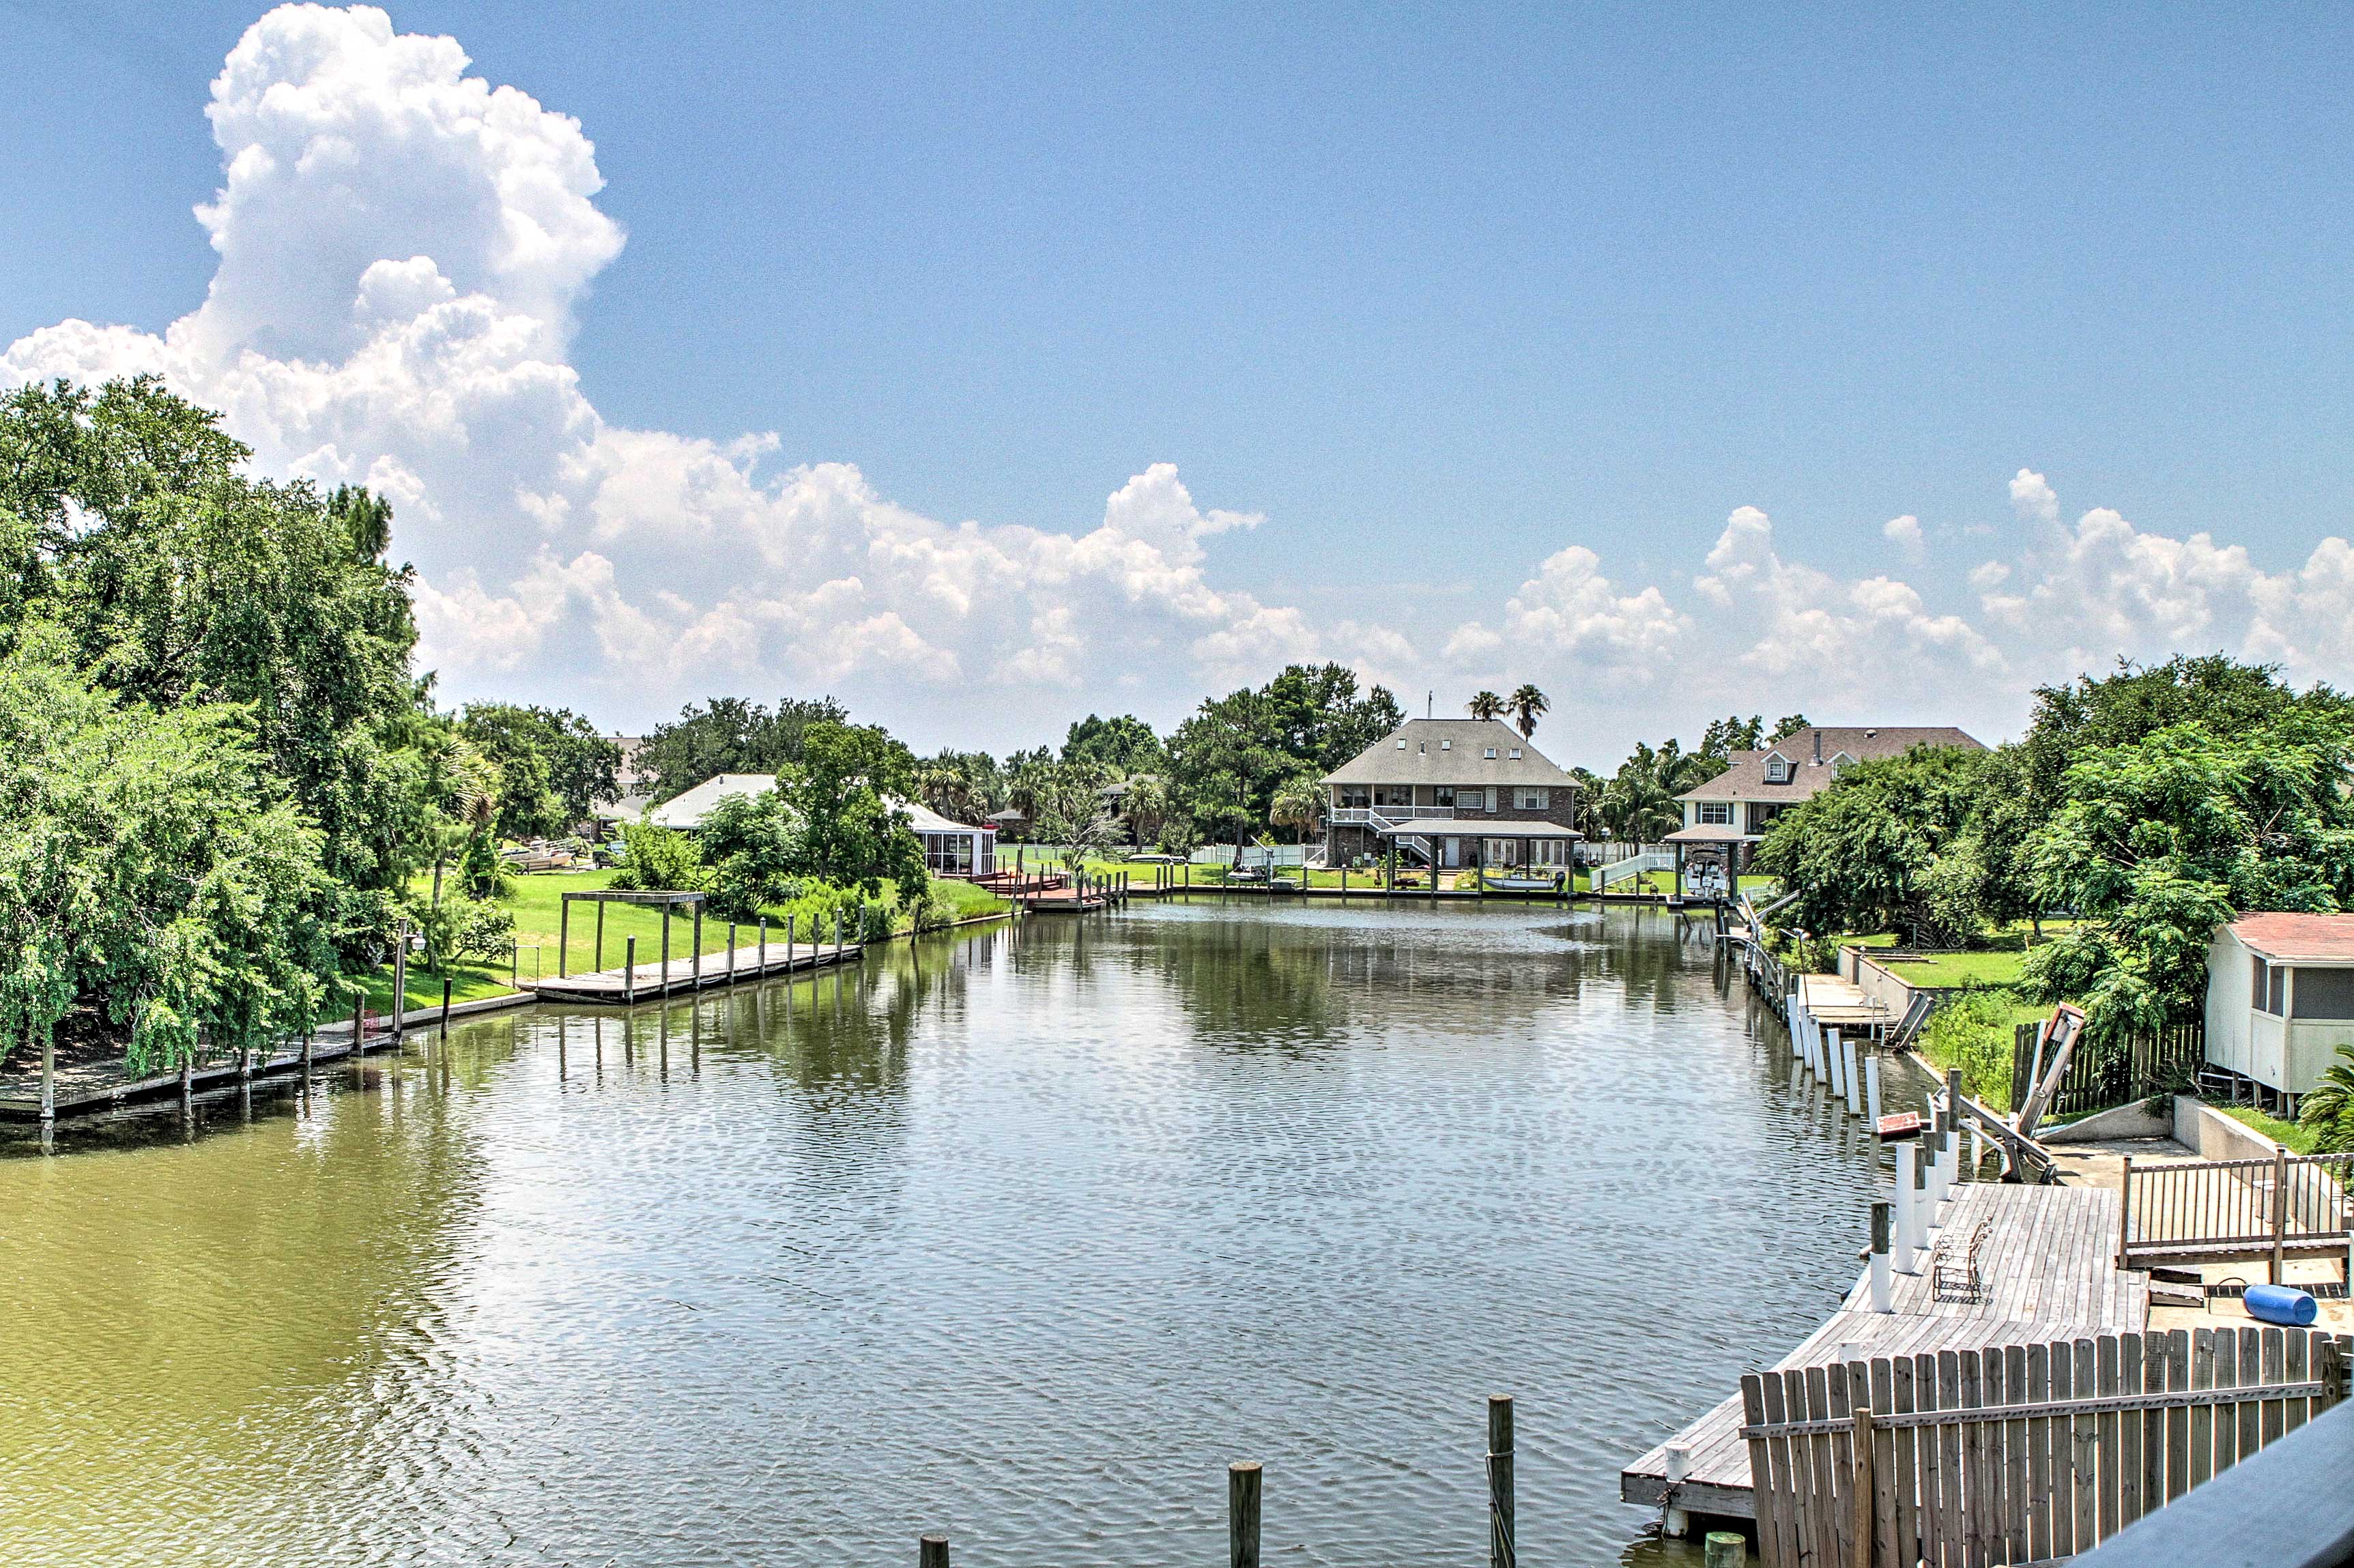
x=2222 y=1211
x=1384 y=816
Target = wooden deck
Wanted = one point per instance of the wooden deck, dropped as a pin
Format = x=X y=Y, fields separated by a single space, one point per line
x=1838 y=1004
x=652 y=982
x=2049 y=1271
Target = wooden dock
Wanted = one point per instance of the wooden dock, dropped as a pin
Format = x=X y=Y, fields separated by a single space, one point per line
x=2048 y=1268
x=649 y=983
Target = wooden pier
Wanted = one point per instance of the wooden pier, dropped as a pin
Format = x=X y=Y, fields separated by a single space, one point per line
x=2047 y=1266
x=650 y=982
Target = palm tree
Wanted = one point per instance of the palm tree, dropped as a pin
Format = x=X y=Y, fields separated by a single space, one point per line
x=1527 y=704
x=1298 y=804
x=1487 y=705
x=2329 y=1106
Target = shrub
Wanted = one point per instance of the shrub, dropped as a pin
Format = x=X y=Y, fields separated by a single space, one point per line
x=658 y=860
x=1973 y=1032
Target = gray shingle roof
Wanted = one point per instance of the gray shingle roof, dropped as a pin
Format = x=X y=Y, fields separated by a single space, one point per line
x=1810 y=770
x=1451 y=751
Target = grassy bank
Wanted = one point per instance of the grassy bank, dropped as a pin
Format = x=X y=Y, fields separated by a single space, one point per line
x=2300 y=1139
x=536 y=903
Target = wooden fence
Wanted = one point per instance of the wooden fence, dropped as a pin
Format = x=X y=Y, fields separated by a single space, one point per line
x=2224 y=1211
x=2016 y=1453
x=2106 y=1075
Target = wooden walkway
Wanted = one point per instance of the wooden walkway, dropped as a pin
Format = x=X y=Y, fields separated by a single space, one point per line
x=652 y=982
x=2049 y=1271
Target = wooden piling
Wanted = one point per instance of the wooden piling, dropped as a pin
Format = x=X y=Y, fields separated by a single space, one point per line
x=695 y=965
x=630 y=973
x=665 y=950
x=764 y=944
x=731 y=952
x=601 y=934
x=1724 y=1548
x=932 y=1552
x=563 y=933
x=1500 y=1549
x=399 y=980
x=445 y=1007
x=49 y=1076
x=1242 y=1515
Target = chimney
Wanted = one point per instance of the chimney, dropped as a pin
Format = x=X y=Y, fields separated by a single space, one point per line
x=1819 y=747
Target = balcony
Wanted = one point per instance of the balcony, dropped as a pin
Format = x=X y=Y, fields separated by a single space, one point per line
x=1381 y=817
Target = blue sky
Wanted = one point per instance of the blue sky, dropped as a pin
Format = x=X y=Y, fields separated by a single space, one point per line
x=1436 y=294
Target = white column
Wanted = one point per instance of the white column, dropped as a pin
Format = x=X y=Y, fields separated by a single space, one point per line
x=1676 y=1523
x=1872 y=1087
x=1908 y=1206
x=1832 y=1060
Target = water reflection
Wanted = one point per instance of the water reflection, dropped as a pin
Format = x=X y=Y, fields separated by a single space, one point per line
x=1022 y=1233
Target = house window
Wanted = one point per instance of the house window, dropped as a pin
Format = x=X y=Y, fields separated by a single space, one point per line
x=1716 y=813
x=1444 y=795
x=1777 y=770
x=1401 y=743
x=1446 y=746
x=1483 y=799
x=1500 y=852
x=2324 y=993
x=1516 y=753
x=1549 y=852
x=1355 y=795
x=1527 y=799
x=1491 y=754
x=2271 y=987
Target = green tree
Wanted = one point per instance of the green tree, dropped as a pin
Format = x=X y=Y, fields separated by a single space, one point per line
x=177 y=580
x=156 y=884
x=1486 y=705
x=1788 y=725
x=752 y=844
x=1639 y=803
x=1224 y=764
x=841 y=793
x=1126 y=745
x=1731 y=734
x=1875 y=851
x=730 y=736
x=2157 y=842
x=554 y=769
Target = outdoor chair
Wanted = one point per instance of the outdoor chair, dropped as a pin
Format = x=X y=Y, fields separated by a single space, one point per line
x=1956 y=1277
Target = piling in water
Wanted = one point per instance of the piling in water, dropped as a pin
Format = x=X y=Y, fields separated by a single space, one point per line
x=1242 y=1515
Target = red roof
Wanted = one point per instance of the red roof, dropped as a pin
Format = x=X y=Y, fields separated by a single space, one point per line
x=2284 y=936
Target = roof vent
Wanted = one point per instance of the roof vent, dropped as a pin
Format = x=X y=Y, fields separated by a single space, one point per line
x=1818 y=746
x=1869 y=733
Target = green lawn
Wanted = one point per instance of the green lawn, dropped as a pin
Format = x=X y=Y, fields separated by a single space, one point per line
x=536 y=903
x=2299 y=1139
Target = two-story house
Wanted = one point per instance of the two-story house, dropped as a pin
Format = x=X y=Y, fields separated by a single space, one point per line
x=1452 y=792
x=1726 y=817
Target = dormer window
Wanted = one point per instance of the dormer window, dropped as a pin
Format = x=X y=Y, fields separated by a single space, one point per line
x=1842 y=762
x=1777 y=769
x=1491 y=754
x=1446 y=746
x=1516 y=753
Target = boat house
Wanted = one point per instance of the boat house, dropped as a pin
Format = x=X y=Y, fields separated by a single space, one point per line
x=2280 y=1000
x=1449 y=793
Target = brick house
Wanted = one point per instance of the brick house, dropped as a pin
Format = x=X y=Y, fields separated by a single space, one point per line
x=1727 y=818
x=1452 y=792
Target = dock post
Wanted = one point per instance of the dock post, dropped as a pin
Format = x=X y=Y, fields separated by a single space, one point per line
x=49 y=1077
x=399 y=981
x=445 y=1007
x=731 y=952
x=694 y=967
x=1872 y=1089
x=1831 y=1046
x=1880 y=1240
x=563 y=932
x=306 y=1051
x=666 y=972
x=789 y=943
x=1242 y=1515
x=1908 y=1205
x=630 y=973
x=764 y=944
x=1500 y=1482
x=600 y=935
x=1675 y=1522
x=932 y=1552
x=1724 y=1548
x=1855 y=1087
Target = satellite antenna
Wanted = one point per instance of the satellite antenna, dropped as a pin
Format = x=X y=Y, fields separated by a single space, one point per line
x=1430 y=703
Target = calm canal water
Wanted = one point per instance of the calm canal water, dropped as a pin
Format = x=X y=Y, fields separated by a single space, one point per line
x=1022 y=1235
